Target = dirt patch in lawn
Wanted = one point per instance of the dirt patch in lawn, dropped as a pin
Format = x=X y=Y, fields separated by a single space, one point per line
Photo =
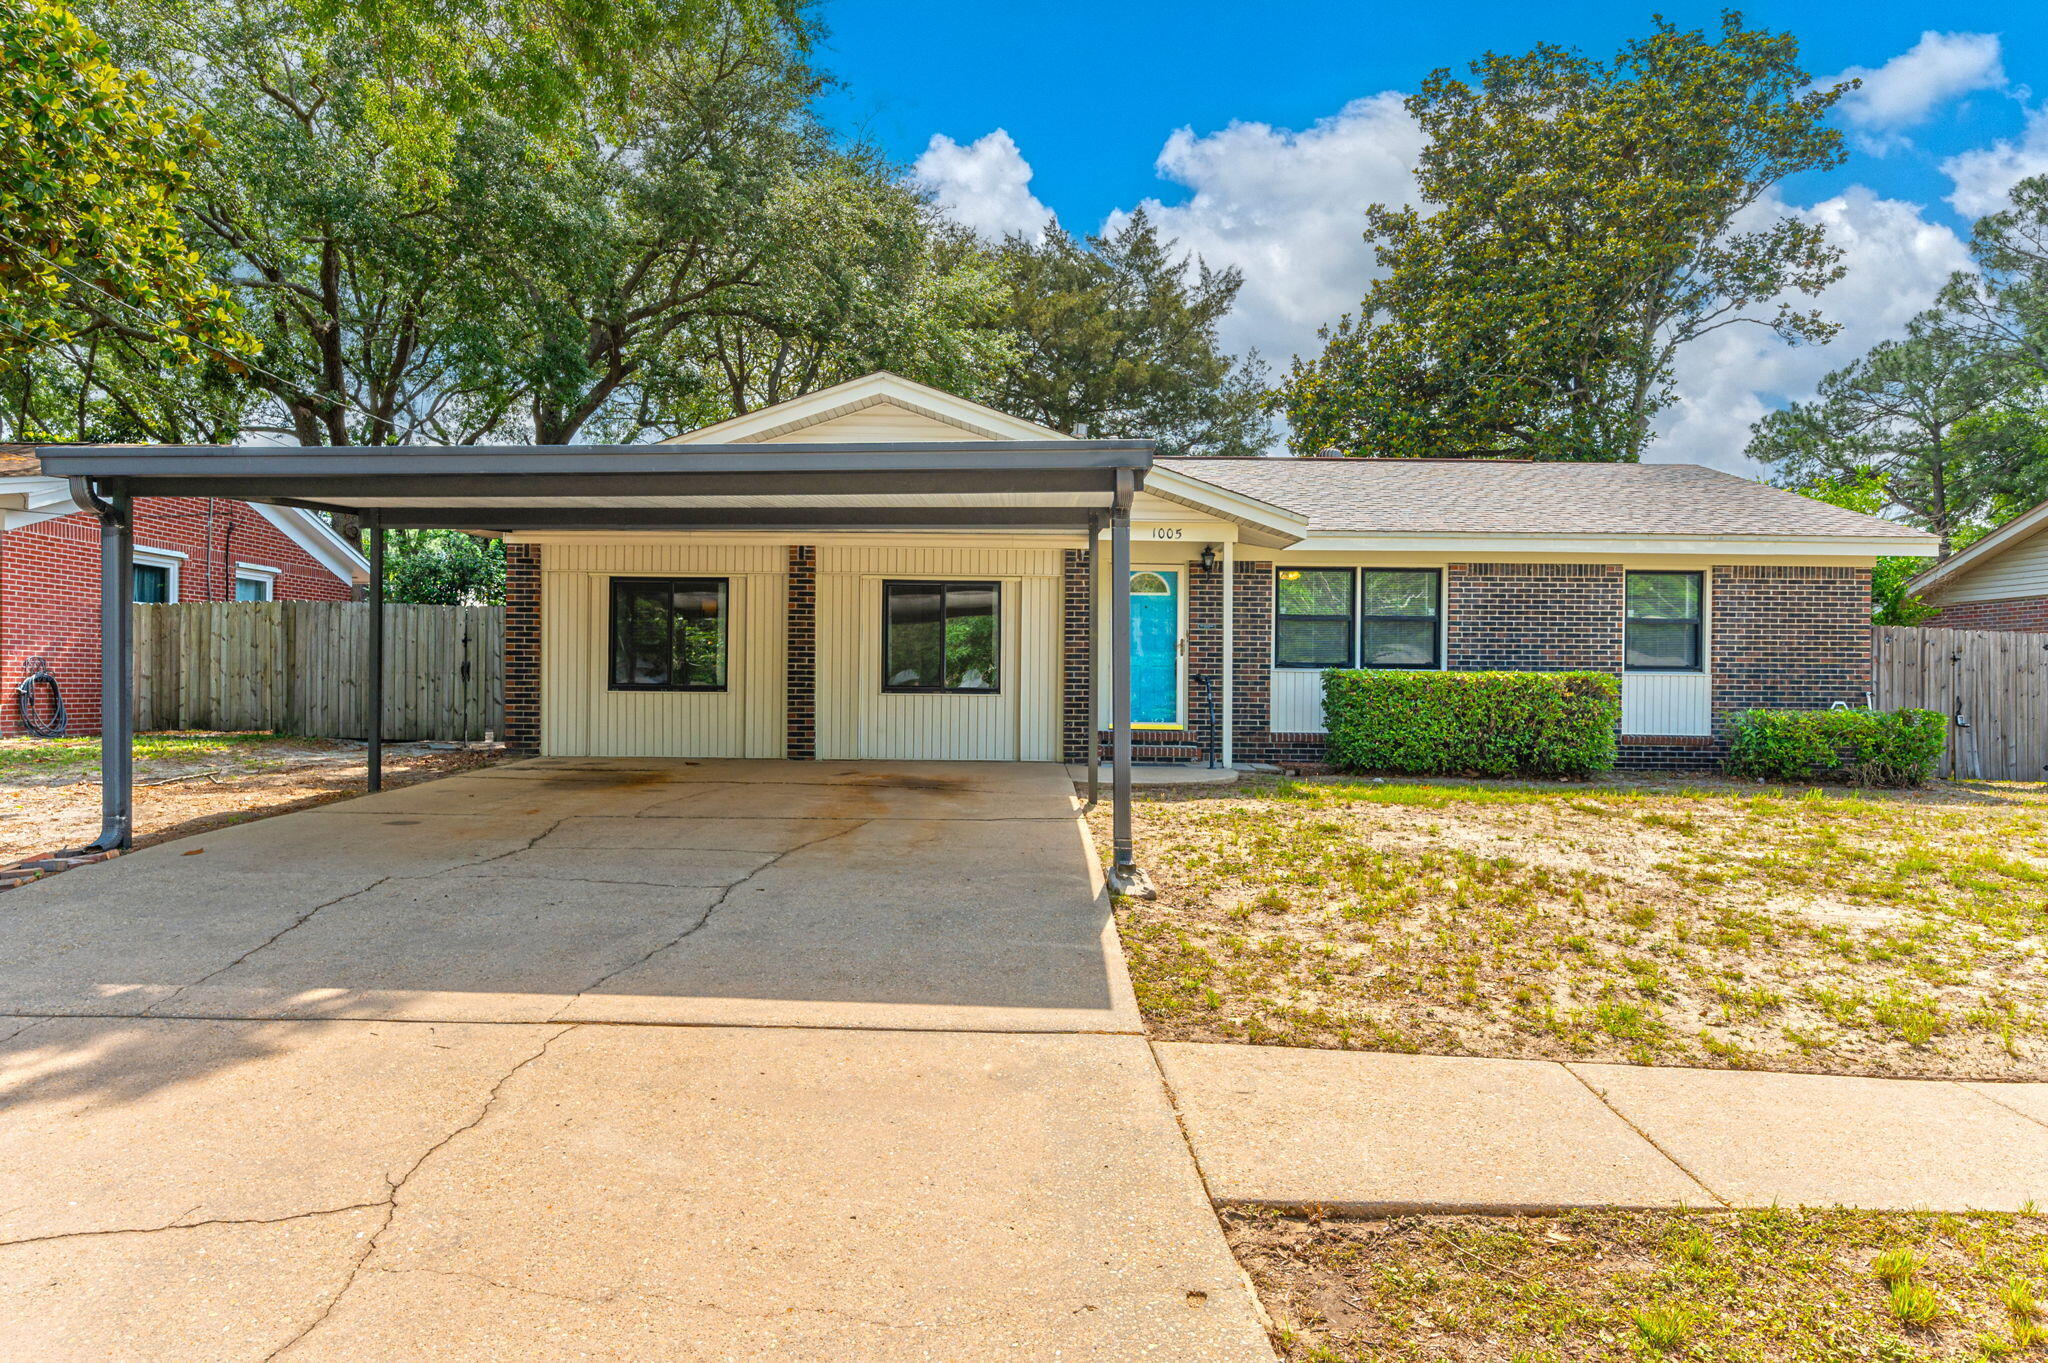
x=1650 y=922
x=192 y=783
x=1776 y=1286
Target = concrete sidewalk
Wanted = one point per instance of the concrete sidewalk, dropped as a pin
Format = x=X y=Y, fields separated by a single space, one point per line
x=1380 y=1134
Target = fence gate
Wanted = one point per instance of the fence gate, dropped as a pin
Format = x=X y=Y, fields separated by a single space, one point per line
x=297 y=667
x=1992 y=685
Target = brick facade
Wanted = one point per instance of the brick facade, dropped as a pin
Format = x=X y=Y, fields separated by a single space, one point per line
x=2024 y=614
x=1076 y=655
x=50 y=585
x=1789 y=636
x=800 y=652
x=1534 y=617
x=522 y=648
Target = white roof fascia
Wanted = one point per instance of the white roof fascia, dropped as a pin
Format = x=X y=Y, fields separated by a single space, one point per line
x=1777 y=546
x=321 y=541
x=1997 y=542
x=867 y=391
x=1271 y=526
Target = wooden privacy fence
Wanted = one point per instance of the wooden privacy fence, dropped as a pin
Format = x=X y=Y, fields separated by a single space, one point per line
x=298 y=667
x=1992 y=685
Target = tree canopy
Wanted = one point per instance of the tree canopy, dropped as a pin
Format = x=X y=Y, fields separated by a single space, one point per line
x=1949 y=423
x=1582 y=222
x=93 y=165
x=1118 y=335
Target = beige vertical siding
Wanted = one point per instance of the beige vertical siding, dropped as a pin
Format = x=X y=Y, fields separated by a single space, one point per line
x=857 y=719
x=1667 y=704
x=581 y=717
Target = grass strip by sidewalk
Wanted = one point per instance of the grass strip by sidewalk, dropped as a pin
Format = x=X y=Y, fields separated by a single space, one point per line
x=1776 y=1286
x=43 y=757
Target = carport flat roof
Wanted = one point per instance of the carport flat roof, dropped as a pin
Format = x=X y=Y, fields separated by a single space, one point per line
x=756 y=486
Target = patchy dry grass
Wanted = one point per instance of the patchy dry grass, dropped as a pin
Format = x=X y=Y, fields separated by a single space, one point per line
x=1773 y=1286
x=1652 y=922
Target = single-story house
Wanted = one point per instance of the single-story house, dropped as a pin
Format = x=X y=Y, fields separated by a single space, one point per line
x=883 y=571
x=2000 y=582
x=186 y=549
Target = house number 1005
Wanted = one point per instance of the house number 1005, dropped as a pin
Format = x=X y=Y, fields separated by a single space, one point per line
x=1166 y=532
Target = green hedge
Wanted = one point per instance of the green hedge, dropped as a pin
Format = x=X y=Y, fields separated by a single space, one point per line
x=1556 y=724
x=1863 y=747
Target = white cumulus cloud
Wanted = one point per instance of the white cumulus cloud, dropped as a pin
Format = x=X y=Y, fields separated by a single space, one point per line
x=1287 y=207
x=1897 y=261
x=1985 y=175
x=985 y=184
x=1911 y=86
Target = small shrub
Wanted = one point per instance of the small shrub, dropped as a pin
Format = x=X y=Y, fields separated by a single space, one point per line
x=1895 y=1266
x=1547 y=724
x=1863 y=747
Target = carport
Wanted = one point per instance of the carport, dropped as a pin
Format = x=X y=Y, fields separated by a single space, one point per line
x=999 y=486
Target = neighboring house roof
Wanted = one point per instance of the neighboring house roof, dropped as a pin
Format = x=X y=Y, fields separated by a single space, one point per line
x=28 y=496
x=1504 y=497
x=2018 y=531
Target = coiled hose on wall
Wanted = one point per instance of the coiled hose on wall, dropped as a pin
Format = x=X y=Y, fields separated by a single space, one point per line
x=25 y=700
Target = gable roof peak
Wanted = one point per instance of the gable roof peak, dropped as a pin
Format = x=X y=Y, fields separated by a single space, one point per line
x=880 y=388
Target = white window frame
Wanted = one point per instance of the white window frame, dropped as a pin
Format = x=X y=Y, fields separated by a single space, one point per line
x=171 y=560
x=258 y=572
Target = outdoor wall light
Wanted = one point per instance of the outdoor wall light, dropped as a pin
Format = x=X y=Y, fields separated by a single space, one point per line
x=1208 y=558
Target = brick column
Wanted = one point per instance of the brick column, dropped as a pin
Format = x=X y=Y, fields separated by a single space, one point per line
x=1076 y=655
x=1252 y=594
x=522 y=648
x=800 y=681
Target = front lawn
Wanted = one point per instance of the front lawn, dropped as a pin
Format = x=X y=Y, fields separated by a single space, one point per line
x=1653 y=922
x=1772 y=1286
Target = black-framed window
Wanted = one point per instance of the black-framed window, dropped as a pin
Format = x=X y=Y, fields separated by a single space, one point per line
x=1397 y=617
x=1666 y=615
x=1313 y=611
x=669 y=633
x=941 y=637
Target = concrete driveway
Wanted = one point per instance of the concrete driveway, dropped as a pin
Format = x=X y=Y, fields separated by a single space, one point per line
x=601 y=1059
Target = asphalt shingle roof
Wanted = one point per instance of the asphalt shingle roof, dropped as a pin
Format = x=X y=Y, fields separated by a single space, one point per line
x=18 y=459
x=1485 y=496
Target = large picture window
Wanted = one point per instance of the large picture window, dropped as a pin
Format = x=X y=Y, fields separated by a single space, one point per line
x=668 y=633
x=1313 y=610
x=940 y=637
x=1664 y=622
x=1397 y=618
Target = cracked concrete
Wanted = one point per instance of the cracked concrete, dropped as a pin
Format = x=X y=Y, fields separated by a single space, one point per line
x=909 y=1115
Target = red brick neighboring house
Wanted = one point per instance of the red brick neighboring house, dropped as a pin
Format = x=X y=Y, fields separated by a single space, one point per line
x=187 y=549
x=2000 y=582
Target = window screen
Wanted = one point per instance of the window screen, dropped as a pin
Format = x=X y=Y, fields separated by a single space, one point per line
x=1313 y=610
x=939 y=636
x=668 y=633
x=1397 y=618
x=1664 y=618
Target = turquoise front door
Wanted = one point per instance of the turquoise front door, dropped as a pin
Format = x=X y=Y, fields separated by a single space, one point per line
x=1155 y=646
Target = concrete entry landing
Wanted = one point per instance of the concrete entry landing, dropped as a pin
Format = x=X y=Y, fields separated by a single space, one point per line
x=601 y=1058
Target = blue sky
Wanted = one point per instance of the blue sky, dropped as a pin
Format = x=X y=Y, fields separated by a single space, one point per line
x=1259 y=133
